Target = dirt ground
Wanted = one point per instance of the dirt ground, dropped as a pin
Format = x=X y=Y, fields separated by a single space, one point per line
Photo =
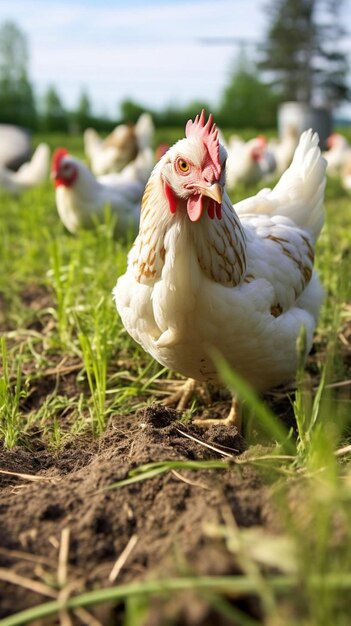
x=167 y=515
x=162 y=520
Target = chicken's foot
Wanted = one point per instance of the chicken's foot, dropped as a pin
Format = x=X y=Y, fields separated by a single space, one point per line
x=232 y=419
x=181 y=397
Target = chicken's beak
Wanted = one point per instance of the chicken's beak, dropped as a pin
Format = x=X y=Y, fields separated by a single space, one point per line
x=214 y=191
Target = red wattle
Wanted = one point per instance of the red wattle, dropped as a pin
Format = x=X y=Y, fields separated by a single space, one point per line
x=211 y=209
x=58 y=182
x=194 y=207
x=172 y=202
x=218 y=210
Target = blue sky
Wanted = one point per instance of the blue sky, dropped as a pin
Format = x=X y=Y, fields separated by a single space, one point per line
x=148 y=50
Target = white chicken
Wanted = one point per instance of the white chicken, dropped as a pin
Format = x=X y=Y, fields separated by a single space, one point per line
x=203 y=274
x=106 y=156
x=81 y=198
x=243 y=161
x=15 y=146
x=92 y=142
x=138 y=170
x=29 y=175
x=339 y=151
x=283 y=150
x=345 y=172
x=120 y=147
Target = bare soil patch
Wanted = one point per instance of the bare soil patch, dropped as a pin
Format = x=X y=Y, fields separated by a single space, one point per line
x=167 y=515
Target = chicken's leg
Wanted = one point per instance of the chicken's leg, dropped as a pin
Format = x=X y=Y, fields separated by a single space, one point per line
x=181 y=397
x=232 y=419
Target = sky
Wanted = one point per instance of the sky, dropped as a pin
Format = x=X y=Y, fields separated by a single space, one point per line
x=155 y=52
x=151 y=51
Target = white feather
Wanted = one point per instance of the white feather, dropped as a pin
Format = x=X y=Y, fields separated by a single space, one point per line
x=30 y=174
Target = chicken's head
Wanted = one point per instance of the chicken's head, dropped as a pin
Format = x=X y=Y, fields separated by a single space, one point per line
x=193 y=170
x=336 y=141
x=331 y=141
x=63 y=170
x=258 y=147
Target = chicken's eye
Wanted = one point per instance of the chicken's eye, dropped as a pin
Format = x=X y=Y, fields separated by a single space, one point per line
x=183 y=166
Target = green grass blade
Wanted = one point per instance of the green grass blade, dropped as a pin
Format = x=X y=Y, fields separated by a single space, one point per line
x=269 y=422
x=233 y=586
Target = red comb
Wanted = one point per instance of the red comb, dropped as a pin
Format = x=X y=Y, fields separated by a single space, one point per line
x=331 y=140
x=262 y=139
x=57 y=158
x=209 y=135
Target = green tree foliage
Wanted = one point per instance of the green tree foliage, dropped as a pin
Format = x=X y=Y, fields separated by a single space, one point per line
x=54 y=116
x=131 y=110
x=83 y=115
x=171 y=115
x=17 y=104
x=303 y=50
x=247 y=101
x=175 y=115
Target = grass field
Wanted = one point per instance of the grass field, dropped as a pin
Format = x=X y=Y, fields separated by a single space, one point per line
x=70 y=377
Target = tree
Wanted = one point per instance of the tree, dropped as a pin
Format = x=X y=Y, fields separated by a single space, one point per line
x=247 y=101
x=82 y=116
x=131 y=110
x=303 y=51
x=17 y=103
x=54 y=116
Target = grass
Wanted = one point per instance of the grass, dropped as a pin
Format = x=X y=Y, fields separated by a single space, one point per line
x=234 y=586
x=10 y=395
x=75 y=326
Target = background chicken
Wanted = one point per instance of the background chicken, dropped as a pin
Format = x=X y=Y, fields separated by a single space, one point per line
x=138 y=170
x=284 y=149
x=15 y=146
x=338 y=153
x=81 y=198
x=92 y=142
x=120 y=147
x=29 y=175
x=345 y=172
x=202 y=273
x=243 y=161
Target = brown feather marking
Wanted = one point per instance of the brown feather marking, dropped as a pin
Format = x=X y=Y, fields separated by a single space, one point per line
x=146 y=196
x=239 y=260
x=277 y=239
x=127 y=142
x=151 y=257
x=276 y=310
x=310 y=252
x=145 y=272
x=145 y=205
x=240 y=256
x=305 y=271
x=249 y=278
x=150 y=252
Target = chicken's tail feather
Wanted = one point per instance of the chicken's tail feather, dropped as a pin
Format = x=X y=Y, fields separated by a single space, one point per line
x=300 y=190
x=144 y=130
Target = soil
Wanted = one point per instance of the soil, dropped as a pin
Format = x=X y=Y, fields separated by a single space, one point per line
x=167 y=514
x=47 y=495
